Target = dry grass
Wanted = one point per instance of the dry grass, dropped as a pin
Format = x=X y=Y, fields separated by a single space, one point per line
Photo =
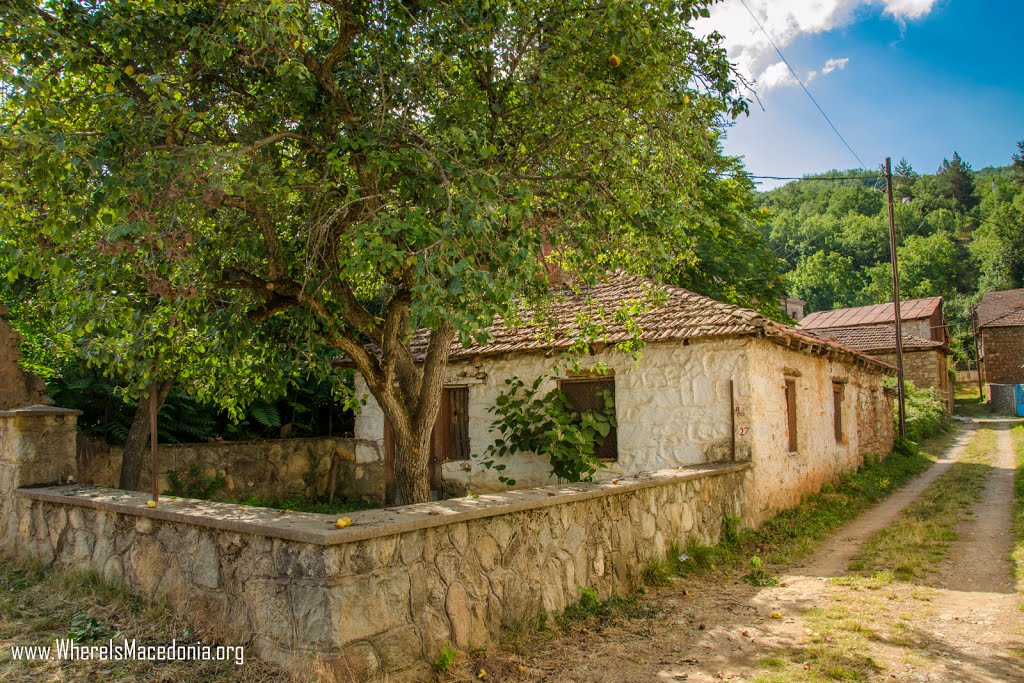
x=38 y=607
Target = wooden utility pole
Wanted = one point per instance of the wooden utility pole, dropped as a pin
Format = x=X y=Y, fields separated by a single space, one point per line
x=901 y=397
x=977 y=352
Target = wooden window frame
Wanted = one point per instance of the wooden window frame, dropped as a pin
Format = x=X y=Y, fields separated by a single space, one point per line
x=791 y=415
x=595 y=378
x=838 y=399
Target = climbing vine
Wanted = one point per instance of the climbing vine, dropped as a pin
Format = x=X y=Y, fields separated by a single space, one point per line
x=548 y=425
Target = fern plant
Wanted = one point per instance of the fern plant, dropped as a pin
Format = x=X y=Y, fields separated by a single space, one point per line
x=194 y=483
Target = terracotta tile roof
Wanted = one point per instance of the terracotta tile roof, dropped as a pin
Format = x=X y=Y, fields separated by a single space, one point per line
x=911 y=309
x=869 y=338
x=1001 y=309
x=677 y=314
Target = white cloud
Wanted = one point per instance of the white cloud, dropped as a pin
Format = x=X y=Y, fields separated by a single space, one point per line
x=787 y=20
x=834 y=65
x=777 y=75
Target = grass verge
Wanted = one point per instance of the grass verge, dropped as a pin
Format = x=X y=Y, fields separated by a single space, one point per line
x=795 y=533
x=1018 y=507
x=912 y=545
x=868 y=620
x=38 y=607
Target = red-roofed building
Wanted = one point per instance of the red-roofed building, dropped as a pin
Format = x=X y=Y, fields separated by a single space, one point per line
x=714 y=383
x=872 y=330
x=1000 y=318
x=920 y=317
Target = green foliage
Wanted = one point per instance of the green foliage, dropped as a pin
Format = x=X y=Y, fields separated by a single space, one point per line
x=960 y=233
x=592 y=608
x=352 y=172
x=317 y=505
x=758 y=575
x=956 y=181
x=548 y=425
x=657 y=572
x=926 y=414
x=194 y=483
x=446 y=660
x=85 y=627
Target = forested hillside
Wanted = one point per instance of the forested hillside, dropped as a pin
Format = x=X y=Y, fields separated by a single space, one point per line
x=960 y=232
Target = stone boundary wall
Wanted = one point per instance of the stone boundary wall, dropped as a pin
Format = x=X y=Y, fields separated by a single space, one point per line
x=270 y=469
x=381 y=597
x=1002 y=398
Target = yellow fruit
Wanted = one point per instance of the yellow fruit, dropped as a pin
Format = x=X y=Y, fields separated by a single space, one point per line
x=151 y=503
x=686 y=99
x=614 y=60
x=481 y=674
x=776 y=615
x=343 y=522
x=129 y=69
x=110 y=87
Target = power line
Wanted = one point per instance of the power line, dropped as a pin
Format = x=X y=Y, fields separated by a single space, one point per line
x=776 y=177
x=798 y=80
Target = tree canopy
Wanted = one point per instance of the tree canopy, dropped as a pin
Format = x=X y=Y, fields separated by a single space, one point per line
x=369 y=168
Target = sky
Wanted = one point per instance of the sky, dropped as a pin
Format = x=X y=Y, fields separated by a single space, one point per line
x=900 y=78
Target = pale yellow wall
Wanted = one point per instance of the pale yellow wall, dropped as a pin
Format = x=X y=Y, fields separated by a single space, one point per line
x=782 y=477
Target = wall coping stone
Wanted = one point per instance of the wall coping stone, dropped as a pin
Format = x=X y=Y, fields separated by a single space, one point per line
x=319 y=529
x=38 y=411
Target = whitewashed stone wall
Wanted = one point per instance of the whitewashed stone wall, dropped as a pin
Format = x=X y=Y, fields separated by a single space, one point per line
x=672 y=408
x=781 y=478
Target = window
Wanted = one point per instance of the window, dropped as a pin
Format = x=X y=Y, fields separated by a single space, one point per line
x=791 y=413
x=587 y=393
x=837 y=410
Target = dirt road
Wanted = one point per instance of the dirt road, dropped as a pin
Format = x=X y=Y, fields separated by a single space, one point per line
x=962 y=624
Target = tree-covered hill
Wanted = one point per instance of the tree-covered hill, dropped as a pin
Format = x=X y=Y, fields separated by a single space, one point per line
x=960 y=232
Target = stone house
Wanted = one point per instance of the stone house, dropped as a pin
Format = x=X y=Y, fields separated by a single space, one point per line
x=714 y=383
x=1000 y=320
x=925 y=361
x=872 y=330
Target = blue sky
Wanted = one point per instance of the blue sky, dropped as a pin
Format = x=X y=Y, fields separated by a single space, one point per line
x=902 y=78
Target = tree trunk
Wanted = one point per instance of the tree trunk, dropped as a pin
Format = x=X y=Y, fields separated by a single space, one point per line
x=136 y=446
x=412 y=466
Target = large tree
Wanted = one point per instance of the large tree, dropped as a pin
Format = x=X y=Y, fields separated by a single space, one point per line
x=371 y=168
x=956 y=181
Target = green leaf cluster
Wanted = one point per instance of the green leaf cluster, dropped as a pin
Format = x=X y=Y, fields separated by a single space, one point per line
x=548 y=425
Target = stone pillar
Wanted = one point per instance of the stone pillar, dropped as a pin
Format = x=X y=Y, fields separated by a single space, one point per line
x=37 y=446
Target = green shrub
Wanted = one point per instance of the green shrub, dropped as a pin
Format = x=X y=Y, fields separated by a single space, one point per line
x=194 y=483
x=926 y=412
x=444 y=662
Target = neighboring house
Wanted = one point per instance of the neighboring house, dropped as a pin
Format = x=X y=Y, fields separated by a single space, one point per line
x=794 y=307
x=925 y=361
x=715 y=383
x=1000 y=319
x=872 y=330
